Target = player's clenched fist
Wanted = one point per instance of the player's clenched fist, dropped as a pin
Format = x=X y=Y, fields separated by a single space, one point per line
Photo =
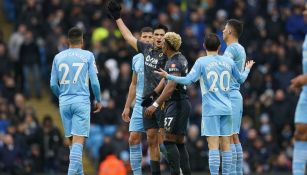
x=114 y=10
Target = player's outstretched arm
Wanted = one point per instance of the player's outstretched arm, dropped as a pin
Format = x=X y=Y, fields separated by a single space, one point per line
x=192 y=76
x=114 y=10
x=242 y=77
x=130 y=98
x=54 y=81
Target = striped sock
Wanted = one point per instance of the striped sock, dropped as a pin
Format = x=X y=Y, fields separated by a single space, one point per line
x=299 y=158
x=214 y=162
x=233 y=170
x=239 y=165
x=136 y=159
x=226 y=162
x=75 y=159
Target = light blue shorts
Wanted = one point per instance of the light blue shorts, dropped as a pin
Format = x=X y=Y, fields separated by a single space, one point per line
x=237 y=110
x=216 y=126
x=76 y=119
x=136 y=121
x=301 y=109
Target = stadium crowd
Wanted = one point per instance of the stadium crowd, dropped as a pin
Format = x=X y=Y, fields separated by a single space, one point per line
x=273 y=35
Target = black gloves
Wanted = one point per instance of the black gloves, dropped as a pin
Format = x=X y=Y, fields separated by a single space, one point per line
x=114 y=9
x=149 y=99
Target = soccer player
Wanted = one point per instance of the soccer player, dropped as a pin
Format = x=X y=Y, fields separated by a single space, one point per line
x=214 y=73
x=70 y=74
x=177 y=107
x=153 y=60
x=300 y=135
x=136 y=90
x=236 y=52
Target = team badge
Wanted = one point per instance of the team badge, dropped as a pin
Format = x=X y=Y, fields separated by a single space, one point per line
x=161 y=54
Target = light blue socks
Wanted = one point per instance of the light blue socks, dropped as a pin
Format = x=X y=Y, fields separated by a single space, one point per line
x=226 y=162
x=239 y=165
x=214 y=162
x=136 y=159
x=299 y=158
x=233 y=170
x=75 y=159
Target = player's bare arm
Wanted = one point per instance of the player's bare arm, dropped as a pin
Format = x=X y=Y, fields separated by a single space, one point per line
x=166 y=93
x=160 y=86
x=114 y=10
x=298 y=82
x=130 y=98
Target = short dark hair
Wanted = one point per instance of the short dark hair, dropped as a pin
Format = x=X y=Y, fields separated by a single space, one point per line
x=75 y=35
x=212 y=42
x=237 y=26
x=146 y=29
x=161 y=26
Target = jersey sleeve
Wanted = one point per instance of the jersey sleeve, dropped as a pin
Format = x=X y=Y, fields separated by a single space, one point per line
x=134 y=62
x=54 y=80
x=92 y=69
x=192 y=76
x=142 y=47
x=174 y=67
x=240 y=77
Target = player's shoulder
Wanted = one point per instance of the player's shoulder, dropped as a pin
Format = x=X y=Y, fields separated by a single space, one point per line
x=137 y=57
x=227 y=59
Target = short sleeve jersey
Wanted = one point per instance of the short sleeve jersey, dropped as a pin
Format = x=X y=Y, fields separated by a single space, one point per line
x=178 y=64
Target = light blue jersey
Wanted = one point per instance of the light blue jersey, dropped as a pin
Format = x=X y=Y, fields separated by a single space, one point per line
x=214 y=73
x=136 y=122
x=138 y=68
x=236 y=52
x=301 y=108
x=71 y=71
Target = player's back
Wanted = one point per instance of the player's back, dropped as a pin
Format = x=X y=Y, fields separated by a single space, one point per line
x=216 y=72
x=237 y=53
x=72 y=71
x=304 y=61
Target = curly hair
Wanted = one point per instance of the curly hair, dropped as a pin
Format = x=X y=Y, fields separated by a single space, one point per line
x=173 y=40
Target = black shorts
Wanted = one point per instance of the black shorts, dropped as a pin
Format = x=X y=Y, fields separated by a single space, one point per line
x=176 y=116
x=155 y=121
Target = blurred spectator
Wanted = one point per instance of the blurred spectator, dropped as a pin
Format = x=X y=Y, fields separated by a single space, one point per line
x=110 y=164
x=30 y=61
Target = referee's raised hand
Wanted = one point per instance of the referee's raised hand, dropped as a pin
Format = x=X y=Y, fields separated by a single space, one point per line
x=114 y=9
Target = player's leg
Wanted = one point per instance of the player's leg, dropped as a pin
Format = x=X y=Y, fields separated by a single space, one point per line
x=136 y=128
x=152 y=131
x=135 y=152
x=226 y=131
x=173 y=155
x=80 y=130
x=236 y=148
x=233 y=170
x=180 y=131
x=214 y=154
x=299 y=152
x=210 y=127
x=154 y=150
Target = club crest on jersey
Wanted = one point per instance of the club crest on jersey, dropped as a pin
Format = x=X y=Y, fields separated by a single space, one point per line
x=161 y=54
